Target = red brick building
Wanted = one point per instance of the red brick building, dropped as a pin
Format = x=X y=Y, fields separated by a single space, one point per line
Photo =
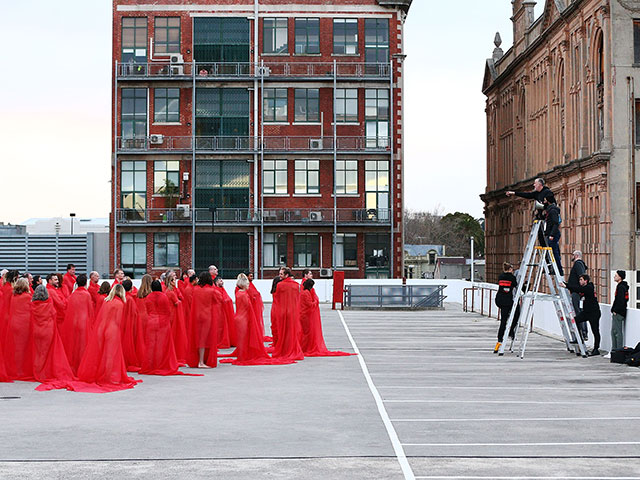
x=227 y=148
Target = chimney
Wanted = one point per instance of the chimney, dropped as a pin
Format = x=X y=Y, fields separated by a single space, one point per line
x=523 y=17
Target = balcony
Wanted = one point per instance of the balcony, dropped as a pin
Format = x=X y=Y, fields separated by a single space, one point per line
x=248 y=71
x=247 y=217
x=247 y=144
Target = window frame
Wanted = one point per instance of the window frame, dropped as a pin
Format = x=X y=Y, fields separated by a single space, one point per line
x=132 y=167
x=343 y=101
x=307 y=48
x=381 y=118
x=343 y=41
x=276 y=242
x=274 y=28
x=168 y=44
x=135 y=239
x=134 y=117
x=341 y=245
x=309 y=189
x=138 y=52
x=163 y=243
x=380 y=45
x=306 y=101
x=278 y=169
x=169 y=116
x=270 y=104
x=310 y=247
x=166 y=172
x=343 y=167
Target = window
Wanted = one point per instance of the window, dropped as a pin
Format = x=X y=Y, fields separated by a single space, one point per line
x=346 y=105
x=134 y=39
x=345 y=36
x=347 y=177
x=307 y=36
x=134 y=116
x=275 y=105
x=377 y=189
x=223 y=185
x=133 y=254
x=275 y=176
x=636 y=42
x=346 y=250
x=133 y=187
x=376 y=40
x=167 y=35
x=166 y=178
x=275 y=35
x=376 y=255
x=307 y=176
x=221 y=39
x=229 y=251
x=222 y=118
x=274 y=251
x=637 y=122
x=305 y=250
x=376 y=114
x=307 y=105
x=166 y=250
x=166 y=105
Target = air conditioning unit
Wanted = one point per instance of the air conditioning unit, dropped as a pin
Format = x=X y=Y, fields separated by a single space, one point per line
x=263 y=72
x=326 y=273
x=176 y=58
x=183 y=210
x=177 y=64
x=156 y=139
x=315 y=216
x=315 y=144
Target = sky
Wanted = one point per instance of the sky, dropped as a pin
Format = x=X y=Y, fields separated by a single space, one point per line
x=55 y=105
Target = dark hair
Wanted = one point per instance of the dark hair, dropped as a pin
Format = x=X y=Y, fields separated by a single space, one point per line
x=81 y=281
x=127 y=285
x=105 y=288
x=550 y=198
x=205 y=279
x=34 y=282
x=586 y=277
x=49 y=277
x=506 y=266
x=622 y=274
x=60 y=279
x=287 y=271
x=193 y=278
x=156 y=286
x=215 y=280
x=70 y=266
x=11 y=276
x=274 y=284
x=308 y=284
x=305 y=271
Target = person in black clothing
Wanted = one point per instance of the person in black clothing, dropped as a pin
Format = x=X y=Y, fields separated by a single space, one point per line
x=619 y=310
x=507 y=284
x=539 y=193
x=552 y=230
x=591 y=309
x=578 y=268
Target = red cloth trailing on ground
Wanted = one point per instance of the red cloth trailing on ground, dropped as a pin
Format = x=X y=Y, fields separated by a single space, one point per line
x=68 y=281
x=205 y=310
x=4 y=376
x=178 y=327
x=226 y=328
x=103 y=362
x=275 y=319
x=312 y=342
x=288 y=298
x=77 y=324
x=18 y=358
x=5 y=305
x=132 y=334
x=59 y=302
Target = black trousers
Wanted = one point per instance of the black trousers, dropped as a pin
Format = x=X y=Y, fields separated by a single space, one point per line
x=594 y=321
x=504 y=317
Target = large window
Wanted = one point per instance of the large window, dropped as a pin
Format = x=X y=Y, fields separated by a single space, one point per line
x=275 y=177
x=133 y=188
x=305 y=250
x=222 y=118
x=221 y=39
x=377 y=118
x=346 y=250
x=167 y=35
x=376 y=255
x=307 y=36
x=346 y=105
x=377 y=189
x=133 y=116
x=307 y=108
x=228 y=251
x=345 y=36
x=376 y=40
x=166 y=250
x=134 y=39
x=274 y=252
x=221 y=185
x=636 y=42
x=166 y=177
x=275 y=35
x=275 y=105
x=307 y=176
x=166 y=105
x=347 y=177
x=133 y=254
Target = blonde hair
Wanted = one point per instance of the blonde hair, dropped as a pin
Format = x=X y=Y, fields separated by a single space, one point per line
x=21 y=286
x=145 y=286
x=169 y=275
x=242 y=282
x=117 y=291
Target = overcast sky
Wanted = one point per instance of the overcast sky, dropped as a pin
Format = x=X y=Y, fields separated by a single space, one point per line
x=56 y=105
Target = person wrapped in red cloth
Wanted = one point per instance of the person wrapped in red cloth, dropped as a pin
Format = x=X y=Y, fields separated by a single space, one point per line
x=103 y=293
x=205 y=313
x=78 y=320
x=275 y=313
x=118 y=276
x=55 y=293
x=226 y=328
x=289 y=331
x=17 y=342
x=178 y=325
x=94 y=286
x=132 y=331
x=68 y=281
x=10 y=276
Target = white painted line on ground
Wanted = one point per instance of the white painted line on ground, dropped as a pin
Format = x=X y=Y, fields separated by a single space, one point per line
x=524 y=402
x=391 y=431
x=540 y=419
x=528 y=477
x=532 y=444
x=445 y=387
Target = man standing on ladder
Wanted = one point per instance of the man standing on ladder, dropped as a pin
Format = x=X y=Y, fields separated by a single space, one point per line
x=540 y=192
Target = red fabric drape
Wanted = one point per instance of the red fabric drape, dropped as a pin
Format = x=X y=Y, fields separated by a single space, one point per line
x=78 y=320
x=93 y=290
x=160 y=353
x=288 y=344
x=17 y=341
x=258 y=308
x=205 y=313
x=132 y=335
x=226 y=325
x=59 y=302
x=178 y=326
x=68 y=281
x=5 y=305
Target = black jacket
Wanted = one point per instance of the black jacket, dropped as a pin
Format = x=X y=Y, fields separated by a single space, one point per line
x=553 y=222
x=620 y=301
x=507 y=283
x=578 y=268
x=588 y=292
x=539 y=196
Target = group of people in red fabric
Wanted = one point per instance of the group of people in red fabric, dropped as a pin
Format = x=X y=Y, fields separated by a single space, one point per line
x=78 y=335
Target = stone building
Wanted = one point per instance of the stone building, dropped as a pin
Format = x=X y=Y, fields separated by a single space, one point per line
x=252 y=134
x=420 y=260
x=562 y=105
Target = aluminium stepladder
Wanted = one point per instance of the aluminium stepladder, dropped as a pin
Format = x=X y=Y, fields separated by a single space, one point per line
x=535 y=265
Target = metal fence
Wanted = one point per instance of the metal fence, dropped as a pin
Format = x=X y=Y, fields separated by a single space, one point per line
x=394 y=296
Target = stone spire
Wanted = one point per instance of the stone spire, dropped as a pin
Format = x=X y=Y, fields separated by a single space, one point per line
x=497 y=52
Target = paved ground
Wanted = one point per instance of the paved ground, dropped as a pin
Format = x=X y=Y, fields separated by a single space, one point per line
x=458 y=411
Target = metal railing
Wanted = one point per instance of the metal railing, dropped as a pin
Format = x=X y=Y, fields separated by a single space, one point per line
x=394 y=296
x=211 y=70
x=480 y=299
x=247 y=216
x=162 y=143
